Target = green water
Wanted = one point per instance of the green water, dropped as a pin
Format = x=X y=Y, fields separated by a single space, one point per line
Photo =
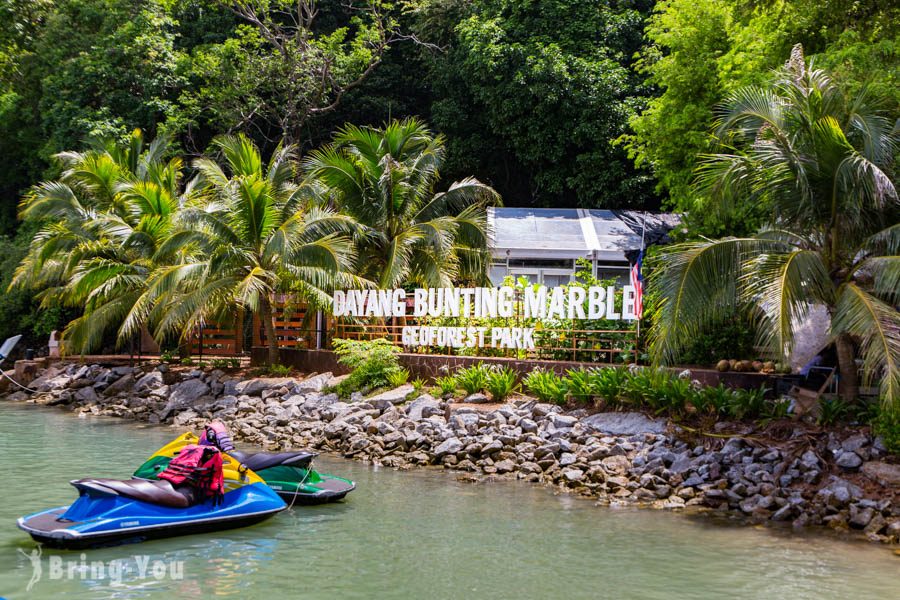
x=418 y=534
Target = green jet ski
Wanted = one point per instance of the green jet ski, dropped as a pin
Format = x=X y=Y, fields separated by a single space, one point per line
x=289 y=474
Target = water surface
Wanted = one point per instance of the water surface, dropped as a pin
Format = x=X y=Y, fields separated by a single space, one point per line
x=415 y=534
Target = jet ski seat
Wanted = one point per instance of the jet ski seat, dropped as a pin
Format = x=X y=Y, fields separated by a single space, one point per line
x=264 y=460
x=159 y=492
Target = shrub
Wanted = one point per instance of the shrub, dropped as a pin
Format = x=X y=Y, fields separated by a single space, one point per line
x=608 y=383
x=447 y=384
x=474 y=379
x=370 y=361
x=166 y=357
x=418 y=385
x=219 y=363
x=887 y=425
x=832 y=411
x=234 y=363
x=580 y=383
x=397 y=378
x=187 y=361
x=277 y=370
x=501 y=383
x=547 y=386
x=714 y=400
x=747 y=404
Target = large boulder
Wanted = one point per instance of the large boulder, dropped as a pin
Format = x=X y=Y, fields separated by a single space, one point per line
x=122 y=384
x=448 y=446
x=150 y=381
x=886 y=474
x=316 y=383
x=423 y=407
x=184 y=395
x=629 y=423
x=255 y=387
x=394 y=396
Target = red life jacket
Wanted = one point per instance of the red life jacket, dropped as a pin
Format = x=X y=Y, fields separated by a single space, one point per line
x=199 y=467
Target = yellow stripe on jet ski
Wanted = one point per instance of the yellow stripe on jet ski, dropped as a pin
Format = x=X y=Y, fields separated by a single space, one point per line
x=234 y=477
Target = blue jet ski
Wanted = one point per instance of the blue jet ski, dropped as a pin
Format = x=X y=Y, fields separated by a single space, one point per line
x=112 y=511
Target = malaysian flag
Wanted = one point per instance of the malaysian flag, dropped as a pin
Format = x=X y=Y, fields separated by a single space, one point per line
x=637 y=282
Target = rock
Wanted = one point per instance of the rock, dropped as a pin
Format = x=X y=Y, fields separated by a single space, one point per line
x=572 y=475
x=630 y=423
x=423 y=407
x=255 y=387
x=860 y=518
x=505 y=466
x=183 y=395
x=682 y=464
x=316 y=383
x=87 y=395
x=448 y=446
x=542 y=410
x=615 y=464
x=395 y=396
x=527 y=425
x=476 y=398
x=783 y=513
x=123 y=384
x=150 y=381
x=854 y=442
x=567 y=458
x=563 y=421
x=849 y=461
x=183 y=418
x=886 y=474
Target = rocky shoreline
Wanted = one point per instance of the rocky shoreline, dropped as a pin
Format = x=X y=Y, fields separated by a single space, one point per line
x=839 y=481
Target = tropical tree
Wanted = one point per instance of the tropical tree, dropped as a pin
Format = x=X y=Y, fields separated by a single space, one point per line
x=385 y=179
x=253 y=232
x=819 y=162
x=103 y=222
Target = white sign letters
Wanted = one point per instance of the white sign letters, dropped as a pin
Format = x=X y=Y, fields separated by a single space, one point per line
x=538 y=302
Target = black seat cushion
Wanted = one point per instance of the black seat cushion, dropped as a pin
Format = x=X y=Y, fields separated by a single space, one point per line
x=159 y=492
x=264 y=460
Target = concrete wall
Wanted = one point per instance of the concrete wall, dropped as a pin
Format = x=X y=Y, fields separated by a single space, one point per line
x=429 y=366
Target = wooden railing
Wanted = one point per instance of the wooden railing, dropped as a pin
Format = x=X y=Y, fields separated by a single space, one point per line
x=295 y=326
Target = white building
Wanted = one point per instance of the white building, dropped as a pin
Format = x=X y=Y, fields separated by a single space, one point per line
x=543 y=244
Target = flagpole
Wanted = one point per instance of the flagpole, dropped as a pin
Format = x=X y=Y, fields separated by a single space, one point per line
x=640 y=257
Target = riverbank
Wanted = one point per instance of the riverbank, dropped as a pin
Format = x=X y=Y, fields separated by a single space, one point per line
x=841 y=480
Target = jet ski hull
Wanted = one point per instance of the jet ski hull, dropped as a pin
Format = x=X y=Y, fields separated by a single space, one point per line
x=93 y=521
x=304 y=487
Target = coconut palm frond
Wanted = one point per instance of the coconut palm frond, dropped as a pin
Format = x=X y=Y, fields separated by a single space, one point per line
x=698 y=285
x=785 y=286
x=877 y=326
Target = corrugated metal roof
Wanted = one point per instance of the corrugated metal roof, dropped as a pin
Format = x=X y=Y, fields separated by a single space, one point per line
x=560 y=233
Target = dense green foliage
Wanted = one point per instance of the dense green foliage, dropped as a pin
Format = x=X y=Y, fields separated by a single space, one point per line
x=371 y=363
x=702 y=50
x=817 y=161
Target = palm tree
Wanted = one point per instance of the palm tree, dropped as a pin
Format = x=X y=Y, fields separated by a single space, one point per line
x=254 y=233
x=820 y=164
x=386 y=179
x=102 y=221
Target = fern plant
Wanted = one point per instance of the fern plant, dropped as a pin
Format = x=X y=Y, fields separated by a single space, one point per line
x=501 y=383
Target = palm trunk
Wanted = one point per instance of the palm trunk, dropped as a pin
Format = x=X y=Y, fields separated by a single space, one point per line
x=846 y=353
x=268 y=319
